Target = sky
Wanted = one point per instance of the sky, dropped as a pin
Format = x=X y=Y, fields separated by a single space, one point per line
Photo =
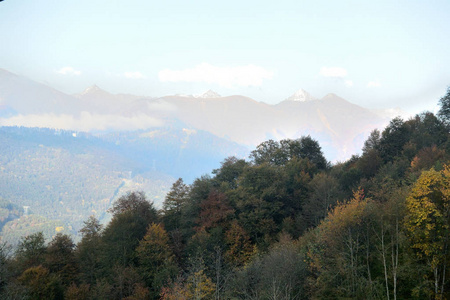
x=377 y=54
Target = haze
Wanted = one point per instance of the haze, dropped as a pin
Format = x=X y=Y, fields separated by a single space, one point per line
x=379 y=54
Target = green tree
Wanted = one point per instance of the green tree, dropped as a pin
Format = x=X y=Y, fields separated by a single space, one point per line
x=156 y=260
x=60 y=258
x=279 y=153
x=4 y=266
x=268 y=152
x=229 y=172
x=394 y=137
x=444 y=111
x=41 y=284
x=31 y=251
x=325 y=193
x=132 y=214
x=88 y=250
x=173 y=205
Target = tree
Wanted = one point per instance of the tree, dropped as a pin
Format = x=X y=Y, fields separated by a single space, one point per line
x=259 y=199
x=74 y=292
x=156 y=260
x=311 y=150
x=240 y=249
x=132 y=215
x=278 y=274
x=295 y=185
x=195 y=285
x=444 y=111
x=60 y=258
x=427 y=130
x=394 y=137
x=268 y=152
x=215 y=211
x=199 y=191
x=31 y=250
x=41 y=284
x=372 y=142
x=275 y=153
x=229 y=172
x=428 y=223
x=337 y=258
x=4 y=266
x=136 y=203
x=324 y=196
x=88 y=250
x=173 y=205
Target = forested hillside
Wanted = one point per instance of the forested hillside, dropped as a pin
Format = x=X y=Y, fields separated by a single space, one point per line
x=65 y=176
x=284 y=224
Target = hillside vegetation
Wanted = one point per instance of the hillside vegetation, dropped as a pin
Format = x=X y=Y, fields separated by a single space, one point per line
x=66 y=176
x=284 y=224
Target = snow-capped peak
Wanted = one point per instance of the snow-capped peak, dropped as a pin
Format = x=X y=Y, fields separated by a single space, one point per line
x=301 y=96
x=209 y=94
x=91 y=89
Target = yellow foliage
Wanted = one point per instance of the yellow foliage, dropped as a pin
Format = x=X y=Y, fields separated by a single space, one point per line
x=427 y=221
x=198 y=286
x=240 y=249
x=59 y=229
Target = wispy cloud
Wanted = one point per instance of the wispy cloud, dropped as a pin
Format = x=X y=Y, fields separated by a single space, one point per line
x=85 y=122
x=249 y=75
x=68 y=71
x=333 y=72
x=134 y=75
x=337 y=74
x=374 y=83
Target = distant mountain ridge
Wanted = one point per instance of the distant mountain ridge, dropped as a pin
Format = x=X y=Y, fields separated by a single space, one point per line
x=335 y=122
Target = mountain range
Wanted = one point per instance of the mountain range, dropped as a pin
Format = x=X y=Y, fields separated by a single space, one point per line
x=65 y=157
x=338 y=125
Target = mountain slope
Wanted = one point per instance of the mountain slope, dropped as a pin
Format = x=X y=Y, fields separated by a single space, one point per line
x=26 y=96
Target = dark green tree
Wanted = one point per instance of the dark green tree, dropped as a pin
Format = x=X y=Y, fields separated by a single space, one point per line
x=88 y=250
x=279 y=153
x=156 y=260
x=173 y=205
x=394 y=137
x=268 y=152
x=4 y=266
x=444 y=111
x=229 y=172
x=30 y=251
x=132 y=213
x=60 y=258
x=41 y=284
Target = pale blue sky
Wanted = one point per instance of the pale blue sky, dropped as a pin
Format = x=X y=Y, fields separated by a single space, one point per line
x=377 y=54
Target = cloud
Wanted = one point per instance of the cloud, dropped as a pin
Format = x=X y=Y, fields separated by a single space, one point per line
x=333 y=72
x=68 y=71
x=249 y=75
x=374 y=83
x=348 y=83
x=85 y=122
x=161 y=106
x=134 y=75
